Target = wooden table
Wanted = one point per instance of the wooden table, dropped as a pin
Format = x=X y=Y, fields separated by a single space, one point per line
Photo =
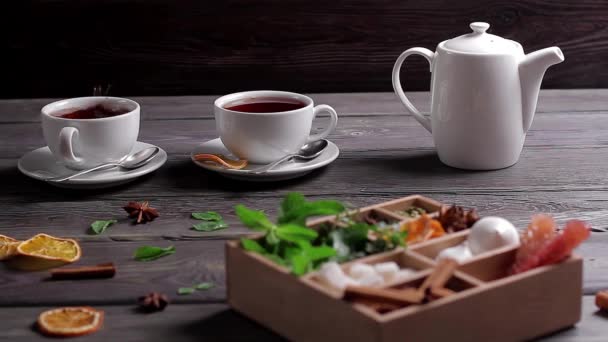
x=384 y=154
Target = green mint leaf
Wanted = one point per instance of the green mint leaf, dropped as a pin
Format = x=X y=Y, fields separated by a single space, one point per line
x=292 y=201
x=320 y=253
x=253 y=219
x=252 y=246
x=277 y=259
x=185 y=291
x=100 y=226
x=295 y=233
x=203 y=286
x=149 y=253
x=300 y=264
x=207 y=216
x=209 y=226
x=317 y=208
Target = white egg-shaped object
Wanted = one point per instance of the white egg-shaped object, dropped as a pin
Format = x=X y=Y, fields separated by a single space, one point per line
x=388 y=270
x=492 y=232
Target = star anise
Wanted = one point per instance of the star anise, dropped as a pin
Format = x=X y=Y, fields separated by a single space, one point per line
x=455 y=218
x=153 y=301
x=142 y=211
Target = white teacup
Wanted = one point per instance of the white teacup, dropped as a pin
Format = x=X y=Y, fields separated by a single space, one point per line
x=263 y=137
x=84 y=143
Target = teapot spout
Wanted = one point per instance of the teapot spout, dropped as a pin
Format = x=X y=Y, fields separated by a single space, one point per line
x=531 y=71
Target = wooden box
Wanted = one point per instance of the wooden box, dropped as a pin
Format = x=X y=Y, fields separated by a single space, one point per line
x=488 y=305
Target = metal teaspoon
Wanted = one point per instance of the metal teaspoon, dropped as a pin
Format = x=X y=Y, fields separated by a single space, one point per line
x=308 y=152
x=130 y=162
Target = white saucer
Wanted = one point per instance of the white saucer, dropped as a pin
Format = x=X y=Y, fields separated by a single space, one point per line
x=41 y=164
x=287 y=170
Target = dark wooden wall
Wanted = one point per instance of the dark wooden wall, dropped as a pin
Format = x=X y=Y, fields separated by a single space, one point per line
x=168 y=47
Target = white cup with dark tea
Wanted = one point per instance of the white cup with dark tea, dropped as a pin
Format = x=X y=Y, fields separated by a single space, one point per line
x=87 y=131
x=264 y=126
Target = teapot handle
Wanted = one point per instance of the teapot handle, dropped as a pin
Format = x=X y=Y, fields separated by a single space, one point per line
x=424 y=120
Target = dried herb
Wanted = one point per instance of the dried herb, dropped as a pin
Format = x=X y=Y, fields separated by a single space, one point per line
x=149 y=253
x=142 y=211
x=185 y=291
x=203 y=286
x=212 y=221
x=100 y=226
x=411 y=212
x=190 y=290
x=153 y=301
x=455 y=218
x=209 y=226
x=207 y=216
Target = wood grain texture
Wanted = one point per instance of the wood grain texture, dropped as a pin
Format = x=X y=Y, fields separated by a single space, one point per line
x=346 y=104
x=64 y=48
x=217 y=322
x=384 y=155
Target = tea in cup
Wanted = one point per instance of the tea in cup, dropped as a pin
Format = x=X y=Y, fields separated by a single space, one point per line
x=264 y=126
x=87 y=131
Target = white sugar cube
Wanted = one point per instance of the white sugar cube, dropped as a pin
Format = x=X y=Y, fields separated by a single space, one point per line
x=359 y=271
x=387 y=270
x=371 y=280
x=331 y=274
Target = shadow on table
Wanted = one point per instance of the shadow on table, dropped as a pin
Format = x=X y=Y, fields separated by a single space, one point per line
x=229 y=325
x=184 y=174
x=19 y=186
x=425 y=163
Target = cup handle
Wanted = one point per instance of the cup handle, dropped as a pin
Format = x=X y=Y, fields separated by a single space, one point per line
x=429 y=55
x=66 y=145
x=333 y=121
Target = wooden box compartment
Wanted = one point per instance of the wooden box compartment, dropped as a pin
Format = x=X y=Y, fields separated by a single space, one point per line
x=487 y=306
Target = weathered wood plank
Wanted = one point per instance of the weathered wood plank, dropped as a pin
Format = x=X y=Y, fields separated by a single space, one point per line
x=402 y=171
x=177 y=323
x=72 y=216
x=194 y=262
x=217 y=322
x=351 y=104
x=179 y=137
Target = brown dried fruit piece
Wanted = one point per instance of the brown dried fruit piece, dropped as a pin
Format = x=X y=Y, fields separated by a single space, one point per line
x=142 y=211
x=8 y=247
x=455 y=218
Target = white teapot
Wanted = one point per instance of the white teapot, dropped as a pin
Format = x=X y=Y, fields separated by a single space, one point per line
x=484 y=91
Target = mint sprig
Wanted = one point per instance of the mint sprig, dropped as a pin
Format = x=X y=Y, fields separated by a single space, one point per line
x=211 y=221
x=149 y=253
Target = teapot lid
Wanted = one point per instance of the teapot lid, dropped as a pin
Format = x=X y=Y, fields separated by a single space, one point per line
x=479 y=41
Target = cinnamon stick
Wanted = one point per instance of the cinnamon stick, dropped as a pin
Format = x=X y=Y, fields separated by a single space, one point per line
x=105 y=270
x=387 y=296
x=440 y=276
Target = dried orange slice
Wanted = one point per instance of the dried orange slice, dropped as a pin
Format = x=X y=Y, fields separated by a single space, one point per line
x=44 y=251
x=8 y=247
x=221 y=160
x=70 y=321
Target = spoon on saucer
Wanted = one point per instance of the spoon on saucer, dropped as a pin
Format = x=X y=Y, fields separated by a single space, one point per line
x=130 y=162
x=308 y=152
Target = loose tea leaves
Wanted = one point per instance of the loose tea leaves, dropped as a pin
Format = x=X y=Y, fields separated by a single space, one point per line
x=207 y=216
x=185 y=291
x=149 y=253
x=203 y=286
x=212 y=221
x=100 y=226
x=210 y=226
x=198 y=287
